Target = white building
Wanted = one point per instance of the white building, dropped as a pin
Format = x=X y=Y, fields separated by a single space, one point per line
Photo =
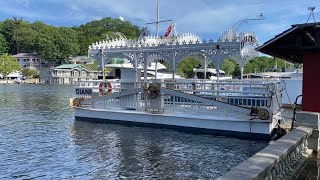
x=69 y=73
x=82 y=60
x=29 y=60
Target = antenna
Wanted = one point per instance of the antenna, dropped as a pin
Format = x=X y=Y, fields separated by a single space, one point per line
x=311 y=9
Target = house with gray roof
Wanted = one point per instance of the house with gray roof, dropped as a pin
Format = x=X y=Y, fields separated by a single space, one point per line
x=29 y=60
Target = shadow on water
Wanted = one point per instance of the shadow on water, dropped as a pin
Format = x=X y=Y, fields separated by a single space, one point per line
x=40 y=139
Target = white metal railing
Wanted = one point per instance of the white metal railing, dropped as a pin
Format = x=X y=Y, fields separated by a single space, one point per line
x=245 y=94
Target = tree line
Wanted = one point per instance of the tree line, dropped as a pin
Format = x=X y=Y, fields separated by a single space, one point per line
x=58 y=43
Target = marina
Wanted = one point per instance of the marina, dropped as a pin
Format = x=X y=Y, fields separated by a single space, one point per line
x=41 y=140
x=109 y=100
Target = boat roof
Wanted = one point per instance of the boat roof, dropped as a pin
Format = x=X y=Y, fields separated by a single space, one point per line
x=211 y=70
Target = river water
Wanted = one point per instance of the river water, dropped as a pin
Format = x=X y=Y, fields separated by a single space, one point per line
x=39 y=139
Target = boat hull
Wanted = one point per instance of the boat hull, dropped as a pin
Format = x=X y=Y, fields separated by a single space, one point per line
x=204 y=124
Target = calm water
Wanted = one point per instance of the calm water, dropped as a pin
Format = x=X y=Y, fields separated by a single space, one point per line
x=39 y=139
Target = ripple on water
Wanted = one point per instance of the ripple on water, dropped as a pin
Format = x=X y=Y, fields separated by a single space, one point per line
x=39 y=139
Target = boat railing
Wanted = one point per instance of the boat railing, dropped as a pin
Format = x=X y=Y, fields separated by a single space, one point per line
x=233 y=93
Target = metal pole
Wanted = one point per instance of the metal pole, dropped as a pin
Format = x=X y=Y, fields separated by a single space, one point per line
x=102 y=62
x=242 y=72
x=145 y=67
x=218 y=53
x=173 y=65
x=218 y=71
x=158 y=18
x=156 y=69
x=205 y=71
x=136 y=69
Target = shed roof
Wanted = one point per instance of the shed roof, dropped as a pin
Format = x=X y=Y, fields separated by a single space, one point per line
x=89 y=67
x=293 y=43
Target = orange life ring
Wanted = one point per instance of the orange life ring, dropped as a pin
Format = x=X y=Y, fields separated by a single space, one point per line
x=103 y=86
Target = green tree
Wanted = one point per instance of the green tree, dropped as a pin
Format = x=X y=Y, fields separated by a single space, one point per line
x=229 y=66
x=94 y=31
x=66 y=41
x=264 y=64
x=186 y=66
x=8 y=64
x=3 y=45
x=29 y=72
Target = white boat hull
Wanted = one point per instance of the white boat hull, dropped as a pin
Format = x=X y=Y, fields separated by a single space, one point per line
x=253 y=129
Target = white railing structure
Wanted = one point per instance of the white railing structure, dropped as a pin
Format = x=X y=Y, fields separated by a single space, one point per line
x=279 y=160
x=224 y=99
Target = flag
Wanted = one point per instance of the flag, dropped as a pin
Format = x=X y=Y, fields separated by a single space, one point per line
x=168 y=31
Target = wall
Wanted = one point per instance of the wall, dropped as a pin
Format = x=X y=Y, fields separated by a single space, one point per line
x=311 y=85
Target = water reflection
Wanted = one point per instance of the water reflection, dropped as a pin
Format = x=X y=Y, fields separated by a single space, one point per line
x=159 y=153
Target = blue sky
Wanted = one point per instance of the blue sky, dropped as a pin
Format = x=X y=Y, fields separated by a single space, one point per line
x=206 y=18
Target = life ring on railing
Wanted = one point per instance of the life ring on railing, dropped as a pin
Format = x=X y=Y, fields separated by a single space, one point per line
x=153 y=92
x=103 y=86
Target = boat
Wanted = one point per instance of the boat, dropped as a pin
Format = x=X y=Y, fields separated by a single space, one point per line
x=212 y=74
x=292 y=80
x=157 y=70
x=242 y=109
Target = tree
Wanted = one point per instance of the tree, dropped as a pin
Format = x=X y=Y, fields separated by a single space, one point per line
x=29 y=72
x=229 y=66
x=3 y=45
x=186 y=66
x=66 y=41
x=97 y=30
x=264 y=64
x=8 y=64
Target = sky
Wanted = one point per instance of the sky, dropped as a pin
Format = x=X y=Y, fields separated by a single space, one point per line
x=206 y=18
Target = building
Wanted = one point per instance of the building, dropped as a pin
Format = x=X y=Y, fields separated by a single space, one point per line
x=82 y=60
x=46 y=75
x=69 y=73
x=29 y=60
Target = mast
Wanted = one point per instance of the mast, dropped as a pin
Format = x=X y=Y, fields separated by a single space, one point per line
x=158 y=18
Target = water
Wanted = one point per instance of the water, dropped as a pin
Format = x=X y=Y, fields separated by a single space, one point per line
x=39 y=139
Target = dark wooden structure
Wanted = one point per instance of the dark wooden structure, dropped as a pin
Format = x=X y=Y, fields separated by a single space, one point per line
x=301 y=44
